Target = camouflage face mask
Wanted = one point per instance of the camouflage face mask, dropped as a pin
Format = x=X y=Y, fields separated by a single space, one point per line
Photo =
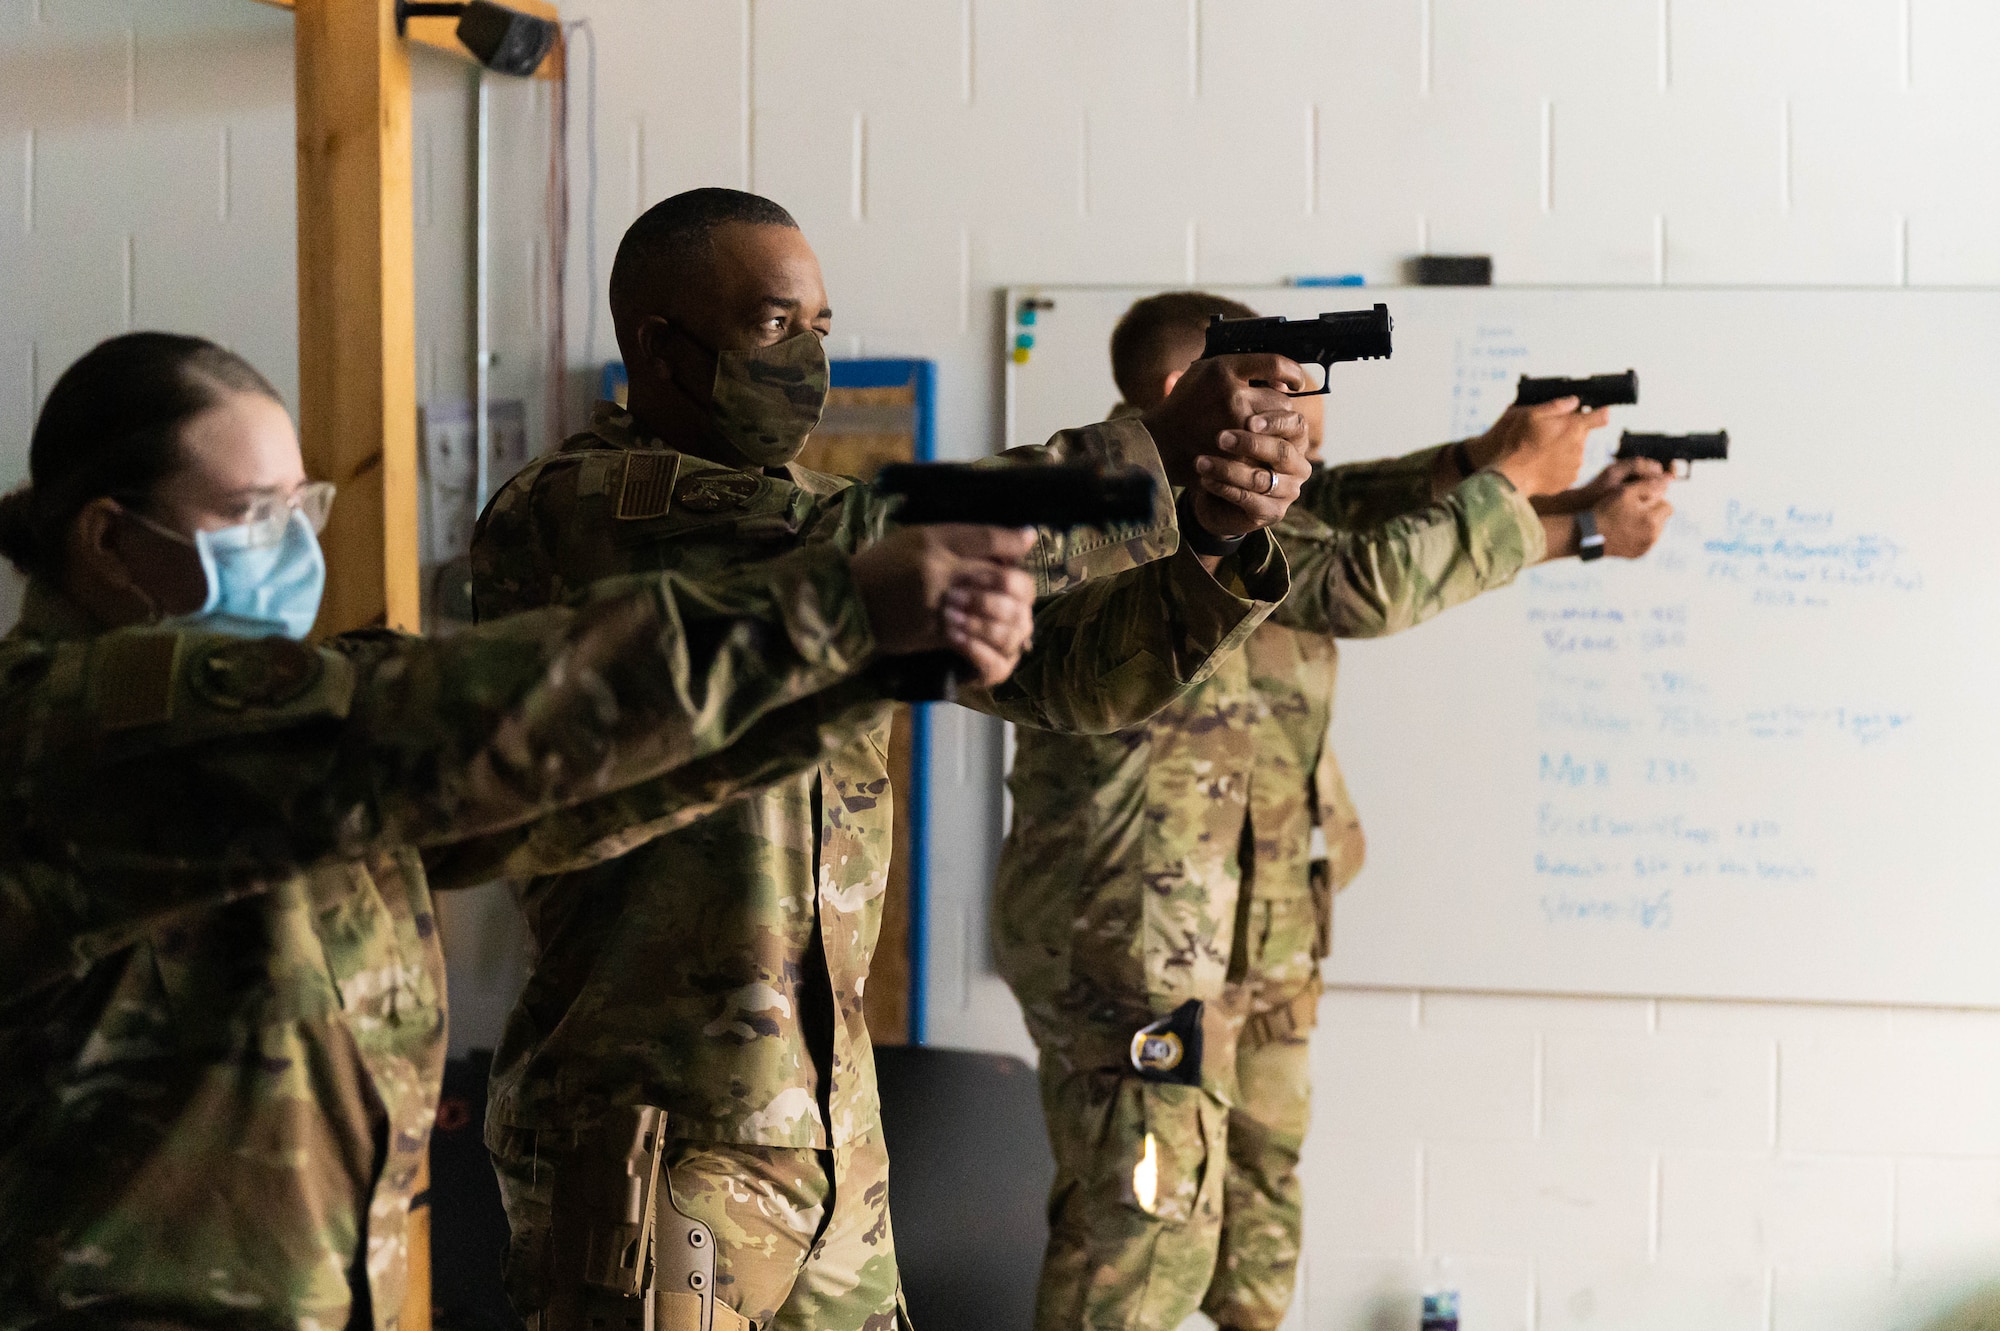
x=768 y=400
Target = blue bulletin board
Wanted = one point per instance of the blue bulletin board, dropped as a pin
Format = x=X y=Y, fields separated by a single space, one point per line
x=920 y=420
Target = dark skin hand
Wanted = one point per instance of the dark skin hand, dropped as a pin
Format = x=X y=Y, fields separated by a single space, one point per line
x=1229 y=430
x=950 y=585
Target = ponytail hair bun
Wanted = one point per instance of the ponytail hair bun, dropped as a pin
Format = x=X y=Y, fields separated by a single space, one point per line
x=17 y=528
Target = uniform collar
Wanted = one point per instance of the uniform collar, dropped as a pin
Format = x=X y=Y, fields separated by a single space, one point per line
x=615 y=427
x=49 y=615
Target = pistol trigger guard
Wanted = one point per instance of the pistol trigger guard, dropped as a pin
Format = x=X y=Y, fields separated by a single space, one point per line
x=1326 y=386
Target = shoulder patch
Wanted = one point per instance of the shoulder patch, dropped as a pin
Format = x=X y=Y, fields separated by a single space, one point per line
x=647 y=489
x=267 y=672
x=132 y=680
x=715 y=491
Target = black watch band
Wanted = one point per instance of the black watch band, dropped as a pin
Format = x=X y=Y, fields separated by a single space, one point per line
x=1197 y=537
x=1589 y=540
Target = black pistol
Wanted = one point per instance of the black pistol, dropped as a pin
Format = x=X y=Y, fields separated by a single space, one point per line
x=1599 y=390
x=1676 y=452
x=1028 y=494
x=1341 y=336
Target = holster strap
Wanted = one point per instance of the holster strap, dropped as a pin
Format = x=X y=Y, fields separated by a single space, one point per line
x=682 y=1312
x=601 y=1224
x=1288 y=1020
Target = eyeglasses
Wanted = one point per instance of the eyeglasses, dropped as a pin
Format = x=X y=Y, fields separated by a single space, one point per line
x=266 y=514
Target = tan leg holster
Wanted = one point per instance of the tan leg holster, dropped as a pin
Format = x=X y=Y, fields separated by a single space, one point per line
x=684 y=1274
x=625 y=1258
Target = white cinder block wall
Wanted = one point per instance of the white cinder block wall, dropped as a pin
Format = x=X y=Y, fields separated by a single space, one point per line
x=147 y=181
x=1576 y=1162
x=1580 y=1162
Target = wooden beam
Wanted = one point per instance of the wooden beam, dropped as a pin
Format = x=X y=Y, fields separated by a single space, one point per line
x=357 y=305
x=442 y=33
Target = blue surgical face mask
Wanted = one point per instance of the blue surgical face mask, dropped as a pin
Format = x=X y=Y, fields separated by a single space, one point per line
x=257 y=590
x=265 y=578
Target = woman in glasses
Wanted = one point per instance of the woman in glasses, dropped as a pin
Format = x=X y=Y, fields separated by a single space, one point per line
x=169 y=491
x=221 y=994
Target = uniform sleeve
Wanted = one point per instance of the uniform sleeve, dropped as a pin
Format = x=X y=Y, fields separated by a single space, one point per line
x=1128 y=620
x=789 y=740
x=1369 y=581
x=1358 y=495
x=1062 y=559
x=1113 y=650
x=166 y=770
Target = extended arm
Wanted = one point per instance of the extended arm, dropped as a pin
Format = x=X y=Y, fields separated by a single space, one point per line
x=1367 y=582
x=1114 y=650
x=1123 y=631
x=1355 y=496
x=164 y=771
x=785 y=742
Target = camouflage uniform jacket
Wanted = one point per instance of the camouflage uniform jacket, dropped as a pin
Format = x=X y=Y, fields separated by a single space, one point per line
x=717 y=973
x=221 y=993
x=1117 y=895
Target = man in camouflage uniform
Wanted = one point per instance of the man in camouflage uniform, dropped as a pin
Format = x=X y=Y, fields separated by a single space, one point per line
x=221 y=994
x=1176 y=878
x=715 y=976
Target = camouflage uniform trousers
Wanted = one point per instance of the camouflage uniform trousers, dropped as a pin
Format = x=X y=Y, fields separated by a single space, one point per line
x=803 y=1240
x=1223 y=1230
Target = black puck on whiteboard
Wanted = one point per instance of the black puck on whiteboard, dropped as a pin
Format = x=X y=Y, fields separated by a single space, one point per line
x=1452 y=270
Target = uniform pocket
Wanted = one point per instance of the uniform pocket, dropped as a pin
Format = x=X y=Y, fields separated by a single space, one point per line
x=1164 y=1138
x=1285 y=938
x=1194 y=829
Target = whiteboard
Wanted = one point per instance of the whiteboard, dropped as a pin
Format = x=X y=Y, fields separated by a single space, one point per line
x=1762 y=763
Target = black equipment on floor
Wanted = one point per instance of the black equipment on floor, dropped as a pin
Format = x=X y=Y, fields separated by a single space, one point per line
x=969 y=1176
x=468 y=1228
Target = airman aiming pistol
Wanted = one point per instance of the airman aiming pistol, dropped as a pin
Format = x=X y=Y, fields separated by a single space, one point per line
x=1599 y=390
x=1676 y=452
x=1028 y=494
x=1326 y=341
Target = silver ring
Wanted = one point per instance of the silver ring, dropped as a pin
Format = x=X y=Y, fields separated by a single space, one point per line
x=1270 y=480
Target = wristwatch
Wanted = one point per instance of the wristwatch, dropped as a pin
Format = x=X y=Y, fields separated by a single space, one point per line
x=1589 y=540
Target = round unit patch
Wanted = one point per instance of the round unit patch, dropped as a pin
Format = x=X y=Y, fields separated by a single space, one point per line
x=714 y=491
x=1157 y=1051
x=265 y=672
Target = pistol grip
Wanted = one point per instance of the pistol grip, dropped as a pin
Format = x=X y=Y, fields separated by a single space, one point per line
x=925 y=677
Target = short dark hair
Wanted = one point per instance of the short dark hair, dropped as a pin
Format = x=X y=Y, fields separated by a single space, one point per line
x=111 y=426
x=1153 y=337
x=675 y=238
